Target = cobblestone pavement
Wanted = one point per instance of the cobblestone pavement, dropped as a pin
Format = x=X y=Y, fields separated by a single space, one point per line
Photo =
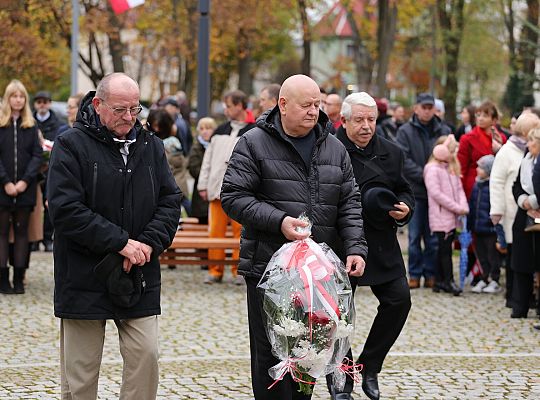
x=451 y=348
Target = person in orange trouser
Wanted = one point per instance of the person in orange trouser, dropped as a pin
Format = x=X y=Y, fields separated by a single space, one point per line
x=211 y=176
x=218 y=221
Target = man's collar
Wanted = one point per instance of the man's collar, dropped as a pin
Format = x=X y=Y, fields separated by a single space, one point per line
x=44 y=117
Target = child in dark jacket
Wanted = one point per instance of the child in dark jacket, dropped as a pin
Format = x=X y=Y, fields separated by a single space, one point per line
x=480 y=224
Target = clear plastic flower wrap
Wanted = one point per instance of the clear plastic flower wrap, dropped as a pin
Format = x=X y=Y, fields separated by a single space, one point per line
x=309 y=311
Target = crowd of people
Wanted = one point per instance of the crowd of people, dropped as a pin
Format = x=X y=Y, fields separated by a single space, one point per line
x=358 y=165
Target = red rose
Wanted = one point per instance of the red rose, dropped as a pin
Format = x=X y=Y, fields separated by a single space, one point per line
x=320 y=317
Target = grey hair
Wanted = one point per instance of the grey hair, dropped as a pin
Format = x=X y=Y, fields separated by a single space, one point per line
x=358 y=98
x=102 y=90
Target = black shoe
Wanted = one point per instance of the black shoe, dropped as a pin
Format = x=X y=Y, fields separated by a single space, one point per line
x=370 y=385
x=537 y=326
x=454 y=289
x=343 y=396
x=18 y=280
x=48 y=246
x=518 y=314
x=5 y=285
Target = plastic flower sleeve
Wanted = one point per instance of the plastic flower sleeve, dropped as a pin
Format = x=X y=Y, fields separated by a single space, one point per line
x=309 y=311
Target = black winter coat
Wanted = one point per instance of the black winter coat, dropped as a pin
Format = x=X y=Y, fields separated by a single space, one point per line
x=96 y=203
x=50 y=127
x=524 y=257
x=267 y=180
x=417 y=142
x=21 y=144
x=199 y=207
x=380 y=164
x=479 y=220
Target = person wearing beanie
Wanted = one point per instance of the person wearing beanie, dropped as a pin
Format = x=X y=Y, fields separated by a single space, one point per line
x=482 y=227
x=446 y=202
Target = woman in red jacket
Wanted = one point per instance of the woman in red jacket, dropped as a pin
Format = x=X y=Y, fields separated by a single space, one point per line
x=484 y=139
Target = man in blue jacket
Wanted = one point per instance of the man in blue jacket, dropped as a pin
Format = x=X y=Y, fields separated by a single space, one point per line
x=114 y=203
x=417 y=138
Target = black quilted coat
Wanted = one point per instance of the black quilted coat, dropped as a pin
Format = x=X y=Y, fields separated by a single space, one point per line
x=267 y=180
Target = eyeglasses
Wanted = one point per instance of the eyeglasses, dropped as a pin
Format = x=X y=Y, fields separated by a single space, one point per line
x=119 y=111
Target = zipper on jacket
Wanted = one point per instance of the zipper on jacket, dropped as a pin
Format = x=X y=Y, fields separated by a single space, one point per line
x=15 y=149
x=15 y=135
x=153 y=187
x=94 y=185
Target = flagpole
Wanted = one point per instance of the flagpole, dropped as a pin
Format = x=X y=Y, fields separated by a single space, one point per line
x=203 y=54
x=74 y=45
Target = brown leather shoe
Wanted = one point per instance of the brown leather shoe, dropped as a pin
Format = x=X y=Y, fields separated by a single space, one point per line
x=414 y=283
x=429 y=282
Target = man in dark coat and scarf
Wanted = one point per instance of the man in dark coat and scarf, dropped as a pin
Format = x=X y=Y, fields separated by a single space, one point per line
x=115 y=207
x=387 y=202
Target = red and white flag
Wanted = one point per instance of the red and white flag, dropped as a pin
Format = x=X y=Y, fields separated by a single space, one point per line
x=120 y=6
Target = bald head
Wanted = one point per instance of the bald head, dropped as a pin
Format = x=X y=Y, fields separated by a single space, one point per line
x=112 y=82
x=296 y=84
x=299 y=100
x=117 y=103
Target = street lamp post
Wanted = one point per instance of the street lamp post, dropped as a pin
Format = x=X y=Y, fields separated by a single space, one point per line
x=203 y=86
x=74 y=45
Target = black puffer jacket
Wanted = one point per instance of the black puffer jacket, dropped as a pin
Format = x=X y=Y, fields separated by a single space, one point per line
x=417 y=142
x=20 y=159
x=267 y=180
x=96 y=203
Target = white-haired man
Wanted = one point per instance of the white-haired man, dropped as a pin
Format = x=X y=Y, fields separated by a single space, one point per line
x=387 y=202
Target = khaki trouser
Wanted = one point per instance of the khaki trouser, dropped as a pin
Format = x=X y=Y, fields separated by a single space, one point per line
x=218 y=222
x=81 y=349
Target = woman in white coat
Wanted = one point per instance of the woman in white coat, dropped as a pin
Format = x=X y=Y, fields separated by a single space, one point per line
x=503 y=174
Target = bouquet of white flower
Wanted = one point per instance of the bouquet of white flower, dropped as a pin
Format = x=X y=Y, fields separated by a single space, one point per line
x=310 y=312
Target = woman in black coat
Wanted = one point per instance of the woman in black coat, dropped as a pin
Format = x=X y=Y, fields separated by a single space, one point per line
x=525 y=253
x=20 y=159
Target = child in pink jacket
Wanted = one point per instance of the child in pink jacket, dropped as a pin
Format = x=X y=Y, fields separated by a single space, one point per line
x=446 y=201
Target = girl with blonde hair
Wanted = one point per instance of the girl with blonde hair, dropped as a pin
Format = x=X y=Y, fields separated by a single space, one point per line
x=20 y=160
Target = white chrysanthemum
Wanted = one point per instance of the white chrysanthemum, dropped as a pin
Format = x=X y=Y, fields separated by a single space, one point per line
x=290 y=327
x=344 y=329
x=315 y=361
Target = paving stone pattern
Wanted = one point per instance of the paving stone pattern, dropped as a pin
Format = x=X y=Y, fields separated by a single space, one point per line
x=451 y=348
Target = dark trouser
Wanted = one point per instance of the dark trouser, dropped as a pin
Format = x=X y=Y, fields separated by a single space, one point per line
x=48 y=229
x=261 y=354
x=445 y=270
x=18 y=218
x=488 y=256
x=421 y=261
x=509 y=274
x=522 y=292
x=394 y=305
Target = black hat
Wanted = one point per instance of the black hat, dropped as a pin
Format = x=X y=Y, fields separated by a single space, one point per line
x=425 y=98
x=172 y=101
x=43 y=94
x=377 y=201
x=124 y=289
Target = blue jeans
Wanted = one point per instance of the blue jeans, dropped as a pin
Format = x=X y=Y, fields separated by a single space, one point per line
x=422 y=262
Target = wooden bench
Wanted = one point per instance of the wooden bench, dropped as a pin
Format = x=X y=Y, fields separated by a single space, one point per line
x=190 y=247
